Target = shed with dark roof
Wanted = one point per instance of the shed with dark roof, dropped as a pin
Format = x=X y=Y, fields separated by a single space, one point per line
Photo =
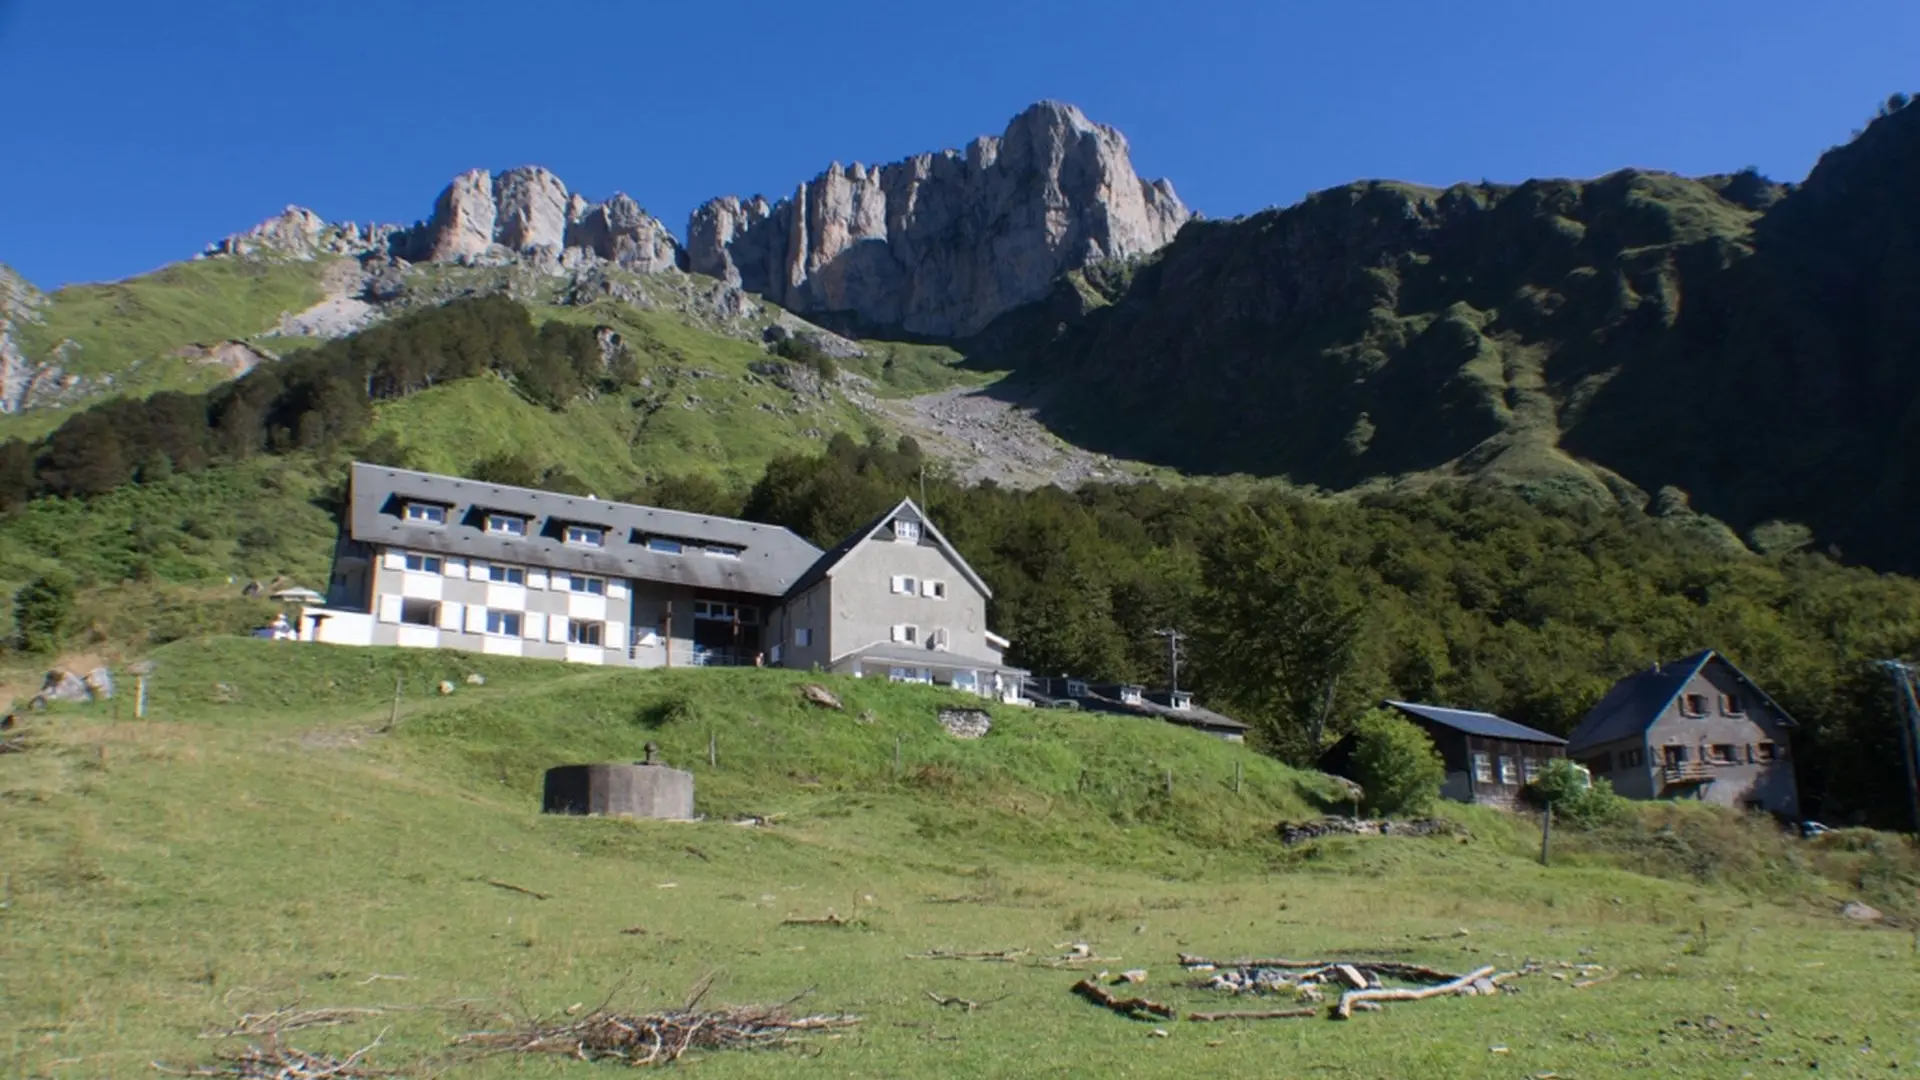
x=1489 y=759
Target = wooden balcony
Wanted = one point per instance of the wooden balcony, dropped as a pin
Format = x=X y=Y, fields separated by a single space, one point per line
x=1687 y=772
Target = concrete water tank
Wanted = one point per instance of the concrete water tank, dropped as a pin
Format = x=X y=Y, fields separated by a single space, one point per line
x=643 y=789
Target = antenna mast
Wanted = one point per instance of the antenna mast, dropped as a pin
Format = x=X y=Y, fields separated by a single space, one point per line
x=1174 y=638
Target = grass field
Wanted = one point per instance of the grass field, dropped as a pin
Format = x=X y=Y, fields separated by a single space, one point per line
x=259 y=841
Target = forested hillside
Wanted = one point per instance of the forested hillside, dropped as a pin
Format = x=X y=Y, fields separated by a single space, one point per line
x=1744 y=343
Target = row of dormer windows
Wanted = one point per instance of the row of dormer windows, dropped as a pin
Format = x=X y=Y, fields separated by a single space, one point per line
x=593 y=536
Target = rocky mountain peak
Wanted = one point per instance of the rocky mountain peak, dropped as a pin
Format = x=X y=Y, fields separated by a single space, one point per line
x=940 y=244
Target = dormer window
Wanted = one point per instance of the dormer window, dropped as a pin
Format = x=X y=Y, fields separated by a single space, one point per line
x=1180 y=699
x=426 y=513
x=506 y=525
x=663 y=545
x=1133 y=695
x=906 y=530
x=724 y=551
x=586 y=536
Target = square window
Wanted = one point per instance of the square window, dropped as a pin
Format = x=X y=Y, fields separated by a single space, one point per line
x=903 y=583
x=1722 y=754
x=581 y=632
x=1693 y=705
x=505 y=623
x=906 y=634
x=581 y=583
x=802 y=637
x=506 y=525
x=936 y=590
x=425 y=564
x=1769 y=752
x=419 y=612
x=1482 y=767
x=906 y=530
x=426 y=514
x=663 y=545
x=1731 y=705
x=506 y=575
x=586 y=536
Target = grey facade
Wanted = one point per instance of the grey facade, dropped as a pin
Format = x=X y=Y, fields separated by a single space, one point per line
x=442 y=562
x=1697 y=728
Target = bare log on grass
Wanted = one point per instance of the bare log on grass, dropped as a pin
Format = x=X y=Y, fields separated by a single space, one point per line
x=1131 y=1008
x=996 y=956
x=1344 y=1010
x=1258 y=1014
x=1395 y=969
x=522 y=889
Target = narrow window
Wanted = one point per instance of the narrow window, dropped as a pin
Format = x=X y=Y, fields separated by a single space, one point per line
x=906 y=634
x=1482 y=767
x=504 y=623
x=506 y=525
x=581 y=583
x=425 y=564
x=906 y=530
x=802 y=637
x=419 y=612
x=1506 y=769
x=938 y=639
x=773 y=654
x=1529 y=769
x=936 y=590
x=581 y=632
x=506 y=575
x=426 y=514
x=663 y=545
x=586 y=536
x=1693 y=705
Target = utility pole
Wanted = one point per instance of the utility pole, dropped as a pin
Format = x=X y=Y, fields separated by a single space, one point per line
x=1174 y=637
x=1909 y=705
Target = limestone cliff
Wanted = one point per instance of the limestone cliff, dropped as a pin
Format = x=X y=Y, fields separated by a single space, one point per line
x=940 y=244
x=19 y=303
x=524 y=214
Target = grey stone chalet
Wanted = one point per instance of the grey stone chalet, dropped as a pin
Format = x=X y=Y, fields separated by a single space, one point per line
x=443 y=562
x=1697 y=728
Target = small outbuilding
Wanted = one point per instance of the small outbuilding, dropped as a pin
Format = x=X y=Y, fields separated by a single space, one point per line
x=1489 y=759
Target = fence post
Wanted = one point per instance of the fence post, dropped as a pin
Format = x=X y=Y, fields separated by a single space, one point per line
x=1169 y=783
x=896 y=757
x=713 y=749
x=1546 y=834
x=1236 y=776
x=140 y=697
x=393 y=717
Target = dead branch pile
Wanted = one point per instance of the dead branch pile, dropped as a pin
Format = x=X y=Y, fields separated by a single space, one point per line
x=276 y=1062
x=658 y=1038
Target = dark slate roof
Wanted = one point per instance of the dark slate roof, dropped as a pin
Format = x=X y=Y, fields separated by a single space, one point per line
x=1636 y=701
x=770 y=558
x=905 y=508
x=1105 y=698
x=1485 y=725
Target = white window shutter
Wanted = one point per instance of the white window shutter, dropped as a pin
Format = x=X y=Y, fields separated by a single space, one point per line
x=536 y=578
x=613 y=635
x=450 y=615
x=476 y=620
x=899 y=583
x=899 y=632
x=530 y=627
x=390 y=608
x=556 y=626
x=394 y=559
x=476 y=570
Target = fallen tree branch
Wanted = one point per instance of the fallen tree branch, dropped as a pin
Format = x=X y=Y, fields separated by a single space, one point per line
x=289 y=1018
x=829 y=919
x=1002 y=956
x=511 y=887
x=657 y=1038
x=944 y=1002
x=1131 y=1008
x=1268 y=1014
x=1344 y=1010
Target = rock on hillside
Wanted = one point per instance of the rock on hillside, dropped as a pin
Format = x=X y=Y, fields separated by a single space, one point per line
x=940 y=244
x=19 y=304
x=525 y=214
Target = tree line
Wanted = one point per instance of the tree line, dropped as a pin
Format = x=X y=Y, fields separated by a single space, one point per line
x=1303 y=613
x=318 y=397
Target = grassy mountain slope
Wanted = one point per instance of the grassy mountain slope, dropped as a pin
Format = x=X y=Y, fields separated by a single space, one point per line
x=1730 y=338
x=258 y=841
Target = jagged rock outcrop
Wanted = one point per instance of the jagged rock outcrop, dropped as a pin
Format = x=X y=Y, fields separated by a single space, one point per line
x=942 y=243
x=19 y=303
x=522 y=215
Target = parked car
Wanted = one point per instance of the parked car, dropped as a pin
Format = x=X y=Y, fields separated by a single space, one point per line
x=1811 y=829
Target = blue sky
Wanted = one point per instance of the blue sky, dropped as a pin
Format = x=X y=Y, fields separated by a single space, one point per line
x=137 y=132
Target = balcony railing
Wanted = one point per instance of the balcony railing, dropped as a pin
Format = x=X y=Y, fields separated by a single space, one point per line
x=1687 y=772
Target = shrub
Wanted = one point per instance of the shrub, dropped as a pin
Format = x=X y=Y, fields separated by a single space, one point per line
x=1574 y=800
x=1395 y=763
x=41 y=610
